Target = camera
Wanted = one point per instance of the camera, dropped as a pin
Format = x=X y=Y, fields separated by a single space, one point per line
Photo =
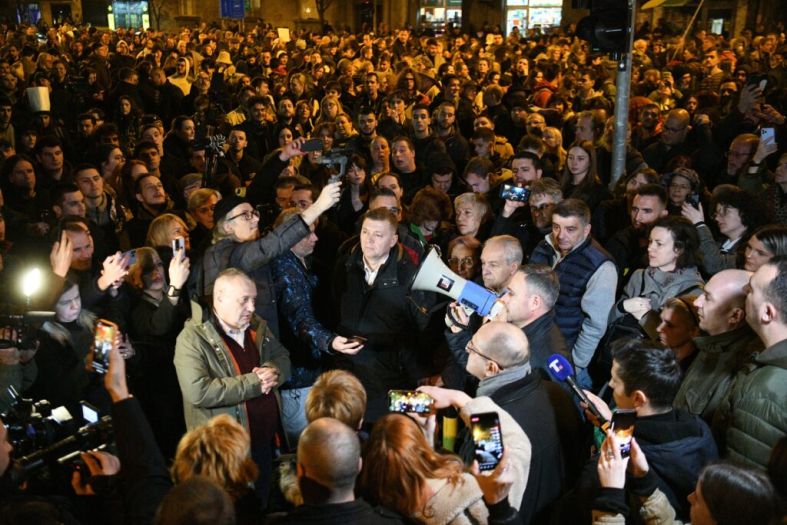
x=48 y=441
x=24 y=323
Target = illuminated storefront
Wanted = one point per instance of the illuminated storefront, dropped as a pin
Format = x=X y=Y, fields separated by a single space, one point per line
x=529 y=14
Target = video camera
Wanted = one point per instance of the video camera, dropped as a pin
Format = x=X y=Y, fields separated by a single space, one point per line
x=24 y=323
x=47 y=442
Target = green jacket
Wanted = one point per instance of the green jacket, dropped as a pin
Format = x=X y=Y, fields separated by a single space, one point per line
x=755 y=411
x=708 y=379
x=209 y=377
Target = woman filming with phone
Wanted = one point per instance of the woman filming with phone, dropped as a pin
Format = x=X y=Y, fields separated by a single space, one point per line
x=160 y=306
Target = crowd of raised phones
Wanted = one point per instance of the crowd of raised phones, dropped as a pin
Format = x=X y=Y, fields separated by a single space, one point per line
x=244 y=215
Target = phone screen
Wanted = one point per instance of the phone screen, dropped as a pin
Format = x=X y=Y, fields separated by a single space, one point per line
x=623 y=427
x=409 y=401
x=104 y=338
x=130 y=257
x=312 y=145
x=487 y=439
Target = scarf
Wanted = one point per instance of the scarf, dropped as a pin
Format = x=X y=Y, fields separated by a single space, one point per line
x=490 y=385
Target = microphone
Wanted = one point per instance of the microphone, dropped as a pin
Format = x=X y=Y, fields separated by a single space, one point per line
x=561 y=370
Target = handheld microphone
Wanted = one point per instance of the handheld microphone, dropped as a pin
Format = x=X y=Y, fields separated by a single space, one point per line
x=561 y=370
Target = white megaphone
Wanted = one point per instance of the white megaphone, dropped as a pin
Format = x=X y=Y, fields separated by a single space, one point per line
x=435 y=276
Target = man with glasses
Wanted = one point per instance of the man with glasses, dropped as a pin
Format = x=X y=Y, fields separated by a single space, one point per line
x=499 y=356
x=673 y=140
x=743 y=163
x=237 y=244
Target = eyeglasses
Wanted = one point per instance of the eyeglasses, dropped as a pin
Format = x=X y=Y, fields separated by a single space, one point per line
x=248 y=216
x=471 y=347
x=464 y=261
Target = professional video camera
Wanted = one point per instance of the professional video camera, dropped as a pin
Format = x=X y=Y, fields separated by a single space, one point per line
x=25 y=325
x=47 y=442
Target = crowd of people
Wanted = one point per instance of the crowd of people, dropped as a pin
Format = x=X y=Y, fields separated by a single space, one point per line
x=250 y=213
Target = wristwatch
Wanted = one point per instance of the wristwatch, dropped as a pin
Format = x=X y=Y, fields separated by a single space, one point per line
x=172 y=291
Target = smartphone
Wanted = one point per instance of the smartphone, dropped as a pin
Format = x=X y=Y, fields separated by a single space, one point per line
x=356 y=339
x=104 y=339
x=89 y=413
x=130 y=257
x=487 y=439
x=694 y=199
x=767 y=134
x=514 y=193
x=623 y=427
x=312 y=145
x=178 y=243
x=410 y=401
x=760 y=81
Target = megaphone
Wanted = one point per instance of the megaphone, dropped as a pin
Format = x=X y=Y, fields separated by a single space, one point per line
x=435 y=276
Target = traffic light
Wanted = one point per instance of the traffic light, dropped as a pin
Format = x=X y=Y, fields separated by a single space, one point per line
x=607 y=26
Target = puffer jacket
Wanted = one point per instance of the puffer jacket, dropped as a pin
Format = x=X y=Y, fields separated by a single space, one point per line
x=710 y=375
x=755 y=413
x=208 y=375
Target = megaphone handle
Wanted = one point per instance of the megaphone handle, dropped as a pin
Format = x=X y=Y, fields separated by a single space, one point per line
x=454 y=320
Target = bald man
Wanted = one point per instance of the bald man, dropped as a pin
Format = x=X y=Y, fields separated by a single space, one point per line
x=745 y=167
x=499 y=356
x=229 y=362
x=673 y=141
x=727 y=341
x=329 y=461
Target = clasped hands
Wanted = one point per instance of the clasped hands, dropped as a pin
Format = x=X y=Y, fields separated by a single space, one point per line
x=269 y=378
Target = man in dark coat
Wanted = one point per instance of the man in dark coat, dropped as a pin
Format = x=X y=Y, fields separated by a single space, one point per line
x=371 y=284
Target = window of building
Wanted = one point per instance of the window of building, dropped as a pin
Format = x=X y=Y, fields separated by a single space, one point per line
x=529 y=14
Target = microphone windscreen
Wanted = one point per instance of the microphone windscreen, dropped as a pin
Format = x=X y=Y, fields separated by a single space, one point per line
x=559 y=367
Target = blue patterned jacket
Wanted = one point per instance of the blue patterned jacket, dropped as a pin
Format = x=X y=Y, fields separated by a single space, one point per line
x=307 y=340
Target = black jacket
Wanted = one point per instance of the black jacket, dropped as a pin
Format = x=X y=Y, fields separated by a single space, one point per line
x=544 y=411
x=545 y=339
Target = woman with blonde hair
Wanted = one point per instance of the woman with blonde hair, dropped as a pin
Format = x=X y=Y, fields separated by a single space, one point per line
x=220 y=450
x=553 y=140
x=330 y=108
x=403 y=473
x=164 y=229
